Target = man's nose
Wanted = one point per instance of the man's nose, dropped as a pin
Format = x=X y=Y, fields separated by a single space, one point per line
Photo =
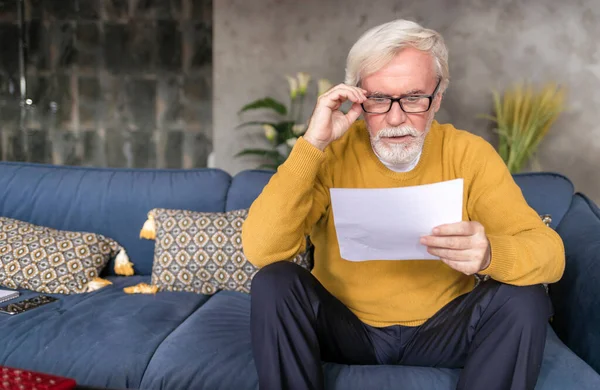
x=396 y=116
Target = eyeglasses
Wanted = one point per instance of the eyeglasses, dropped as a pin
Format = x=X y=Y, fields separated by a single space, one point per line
x=411 y=104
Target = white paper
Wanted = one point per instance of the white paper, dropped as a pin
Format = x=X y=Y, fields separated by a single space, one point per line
x=387 y=223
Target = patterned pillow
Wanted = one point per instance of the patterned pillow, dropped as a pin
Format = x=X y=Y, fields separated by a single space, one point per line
x=53 y=261
x=201 y=252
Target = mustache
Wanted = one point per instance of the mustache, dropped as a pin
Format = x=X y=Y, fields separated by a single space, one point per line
x=396 y=132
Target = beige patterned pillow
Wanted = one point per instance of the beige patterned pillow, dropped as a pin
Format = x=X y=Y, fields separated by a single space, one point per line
x=201 y=252
x=53 y=261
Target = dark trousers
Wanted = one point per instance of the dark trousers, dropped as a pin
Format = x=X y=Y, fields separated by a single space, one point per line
x=496 y=334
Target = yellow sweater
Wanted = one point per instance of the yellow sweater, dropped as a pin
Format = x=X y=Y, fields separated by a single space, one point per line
x=296 y=203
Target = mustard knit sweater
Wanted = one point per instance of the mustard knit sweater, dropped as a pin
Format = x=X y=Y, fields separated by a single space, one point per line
x=296 y=203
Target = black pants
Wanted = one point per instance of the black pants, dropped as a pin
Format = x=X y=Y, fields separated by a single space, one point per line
x=496 y=333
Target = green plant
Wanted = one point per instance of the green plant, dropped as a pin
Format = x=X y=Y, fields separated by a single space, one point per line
x=523 y=117
x=281 y=134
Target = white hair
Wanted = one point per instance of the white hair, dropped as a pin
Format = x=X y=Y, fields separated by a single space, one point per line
x=376 y=47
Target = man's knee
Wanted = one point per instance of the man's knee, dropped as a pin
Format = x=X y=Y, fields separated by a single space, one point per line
x=526 y=305
x=274 y=279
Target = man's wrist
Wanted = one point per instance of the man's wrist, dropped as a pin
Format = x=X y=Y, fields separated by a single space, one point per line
x=319 y=145
x=304 y=160
x=488 y=260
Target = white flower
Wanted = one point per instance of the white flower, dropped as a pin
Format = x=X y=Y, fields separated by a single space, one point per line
x=291 y=142
x=323 y=86
x=270 y=132
x=303 y=80
x=293 y=86
x=299 y=129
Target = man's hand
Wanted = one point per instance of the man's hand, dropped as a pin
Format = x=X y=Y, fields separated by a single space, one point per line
x=463 y=246
x=327 y=122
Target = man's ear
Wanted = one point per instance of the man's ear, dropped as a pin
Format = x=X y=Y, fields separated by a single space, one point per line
x=437 y=102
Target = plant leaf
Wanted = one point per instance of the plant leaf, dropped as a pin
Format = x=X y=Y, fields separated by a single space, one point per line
x=268 y=166
x=488 y=117
x=284 y=131
x=284 y=127
x=259 y=152
x=255 y=123
x=268 y=103
x=524 y=117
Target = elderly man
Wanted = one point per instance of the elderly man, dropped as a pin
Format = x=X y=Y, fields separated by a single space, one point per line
x=420 y=313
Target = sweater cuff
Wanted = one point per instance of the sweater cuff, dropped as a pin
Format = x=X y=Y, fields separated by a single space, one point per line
x=503 y=258
x=304 y=160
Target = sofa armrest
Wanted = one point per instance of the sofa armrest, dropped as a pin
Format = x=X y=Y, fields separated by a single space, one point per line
x=576 y=297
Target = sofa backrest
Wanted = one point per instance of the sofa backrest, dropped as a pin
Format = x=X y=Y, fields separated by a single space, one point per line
x=245 y=187
x=548 y=193
x=112 y=202
x=115 y=202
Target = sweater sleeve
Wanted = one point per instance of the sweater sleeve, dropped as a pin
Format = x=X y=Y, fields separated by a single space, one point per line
x=524 y=251
x=290 y=204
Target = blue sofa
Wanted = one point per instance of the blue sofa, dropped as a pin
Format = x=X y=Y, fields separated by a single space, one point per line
x=187 y=341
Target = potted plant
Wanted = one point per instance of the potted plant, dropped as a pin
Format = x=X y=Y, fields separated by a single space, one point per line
x=523 y=117
x=282 y=134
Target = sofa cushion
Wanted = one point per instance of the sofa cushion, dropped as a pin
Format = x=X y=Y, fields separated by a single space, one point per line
x=202 y=252
x=211 y=350
x=112 y=202
x=103 y=339
x=561 y=369
x=51 y=261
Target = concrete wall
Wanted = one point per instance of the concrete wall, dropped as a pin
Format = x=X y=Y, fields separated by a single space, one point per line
x=257 y=42
x=122 y=83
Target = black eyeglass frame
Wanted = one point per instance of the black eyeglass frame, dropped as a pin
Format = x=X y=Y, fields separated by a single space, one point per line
x=399 y=100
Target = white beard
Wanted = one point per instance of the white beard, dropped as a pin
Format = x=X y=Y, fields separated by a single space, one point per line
x=399 y=153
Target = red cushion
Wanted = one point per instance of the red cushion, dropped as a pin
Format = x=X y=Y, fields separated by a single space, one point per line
x=17 y=379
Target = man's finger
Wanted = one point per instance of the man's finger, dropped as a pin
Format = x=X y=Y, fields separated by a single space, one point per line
x=450 y=254
x=449 y=242
x=462 y=267
x=339 y=96
x=464 y=228
x=354 y=113
x=358 y=94
x=359 y=91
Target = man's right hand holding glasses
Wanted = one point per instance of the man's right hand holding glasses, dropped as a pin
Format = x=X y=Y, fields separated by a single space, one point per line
x=327 y=122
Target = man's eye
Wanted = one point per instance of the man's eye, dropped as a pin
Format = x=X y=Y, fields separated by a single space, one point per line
x=412 y=99
x=379 y=100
